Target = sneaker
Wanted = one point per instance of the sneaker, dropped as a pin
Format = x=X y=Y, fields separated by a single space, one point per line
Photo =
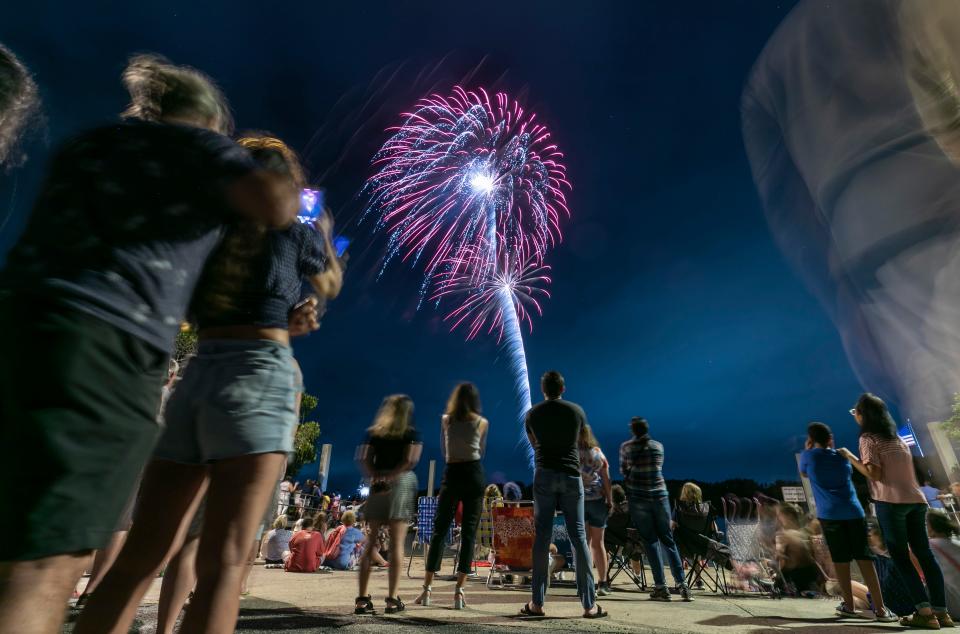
x=660 y=594
x=603 y=590
x=685 y=594
x=886 y=616
x=921 y=621
x=944 y=619
x=844 y=611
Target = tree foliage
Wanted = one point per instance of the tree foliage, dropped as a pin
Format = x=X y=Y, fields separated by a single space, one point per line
x=308 y=432
x=952 y=425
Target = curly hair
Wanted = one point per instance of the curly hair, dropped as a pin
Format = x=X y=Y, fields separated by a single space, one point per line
x=19 y=106
x=159 y=89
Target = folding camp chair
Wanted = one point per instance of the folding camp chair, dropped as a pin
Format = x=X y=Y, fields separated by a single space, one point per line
x=621 y=553
x=698 y=541
x=513 y=535
x=423 y=531
x=746 y=554
x=623 y=544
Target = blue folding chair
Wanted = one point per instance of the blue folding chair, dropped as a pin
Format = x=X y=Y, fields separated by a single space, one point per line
x=423 y=531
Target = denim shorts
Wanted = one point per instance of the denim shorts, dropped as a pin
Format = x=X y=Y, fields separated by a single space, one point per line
x=596 y=513
x=236 y=398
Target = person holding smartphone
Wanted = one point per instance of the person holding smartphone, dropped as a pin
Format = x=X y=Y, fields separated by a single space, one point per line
x=230 y=420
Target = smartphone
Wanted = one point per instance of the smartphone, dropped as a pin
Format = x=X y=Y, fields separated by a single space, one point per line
x=311 y=205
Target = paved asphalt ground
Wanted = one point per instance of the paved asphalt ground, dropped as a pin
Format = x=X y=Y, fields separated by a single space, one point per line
x=300 y=603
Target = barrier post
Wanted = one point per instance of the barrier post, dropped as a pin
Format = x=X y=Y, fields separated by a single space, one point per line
x=433 y=468
x=325 y=452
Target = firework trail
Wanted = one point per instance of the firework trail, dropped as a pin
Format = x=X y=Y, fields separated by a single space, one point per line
x=471 y=190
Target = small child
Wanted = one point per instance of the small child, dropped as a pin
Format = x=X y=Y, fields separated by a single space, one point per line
x=842 y=520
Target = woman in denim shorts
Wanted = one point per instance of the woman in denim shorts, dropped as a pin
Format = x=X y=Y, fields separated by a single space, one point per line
x=597 y=501
x=231 y=419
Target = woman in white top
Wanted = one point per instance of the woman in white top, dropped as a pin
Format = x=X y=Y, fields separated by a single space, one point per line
x=464 y=438
x=277 y=543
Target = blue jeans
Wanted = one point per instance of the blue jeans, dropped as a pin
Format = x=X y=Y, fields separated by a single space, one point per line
x=904 y=529
x=651 y=518
x=553 y=489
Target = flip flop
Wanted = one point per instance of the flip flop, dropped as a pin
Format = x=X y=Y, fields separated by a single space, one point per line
x=526 y=611
x=599 y=614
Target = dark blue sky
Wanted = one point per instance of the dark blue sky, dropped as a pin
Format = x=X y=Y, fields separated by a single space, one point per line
x=670 y=299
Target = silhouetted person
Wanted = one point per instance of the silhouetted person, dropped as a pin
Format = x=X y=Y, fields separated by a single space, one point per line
x=641 y=463
x=553 y=428
x=91 y=299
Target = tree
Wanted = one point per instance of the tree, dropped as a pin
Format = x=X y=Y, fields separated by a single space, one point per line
x=952 y=425
x=308 y=432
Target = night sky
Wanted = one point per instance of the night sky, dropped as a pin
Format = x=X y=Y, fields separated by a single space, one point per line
x=670 y=299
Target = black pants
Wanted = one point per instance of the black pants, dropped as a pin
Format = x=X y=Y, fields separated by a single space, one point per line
x=462 y=482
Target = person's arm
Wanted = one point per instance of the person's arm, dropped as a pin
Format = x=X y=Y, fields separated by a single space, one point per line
x=625 y=460
x=870 y=470
x=265 y=197
x=328 y=282
x=484 y=426
x=444 y=421
x=365 y=460
x=607 y=486
x=530 y=435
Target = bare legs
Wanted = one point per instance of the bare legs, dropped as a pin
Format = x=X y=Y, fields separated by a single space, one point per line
x=368 y=550
x=240 y=490
x=398 y=533
x=599 y=550
x=173 y=487
x=178 y=581
x=103 y=560
x=34 y=594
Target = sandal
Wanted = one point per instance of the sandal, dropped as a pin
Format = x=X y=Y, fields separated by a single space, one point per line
x=599 y=614
x=424 y=598
x=459 y=600
x=526 y=611
x=364 y=605
x=394 y=605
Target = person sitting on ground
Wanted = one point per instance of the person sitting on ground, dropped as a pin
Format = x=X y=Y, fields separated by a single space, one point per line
x=841 y=518
x=794 y=554
x=306 y=549
x=942 y=531
x=512 y=492
x=277 y=544
x=896 y=594
x=345 y=544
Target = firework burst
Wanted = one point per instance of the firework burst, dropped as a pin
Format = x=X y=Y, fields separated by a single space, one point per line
x=472 y=190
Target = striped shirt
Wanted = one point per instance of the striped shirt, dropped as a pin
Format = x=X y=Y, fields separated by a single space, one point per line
x=641 y=463
x=898 y=481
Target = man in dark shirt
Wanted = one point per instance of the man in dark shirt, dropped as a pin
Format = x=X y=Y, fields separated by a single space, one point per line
x=553 y=428
x=91 y=298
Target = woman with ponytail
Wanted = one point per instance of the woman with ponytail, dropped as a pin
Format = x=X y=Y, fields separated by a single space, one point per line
x=231 y=419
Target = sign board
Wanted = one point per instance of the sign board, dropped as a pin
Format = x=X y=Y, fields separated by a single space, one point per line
x=793 y=494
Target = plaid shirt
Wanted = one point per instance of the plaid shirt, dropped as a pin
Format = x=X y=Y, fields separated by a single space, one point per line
x=641 y=463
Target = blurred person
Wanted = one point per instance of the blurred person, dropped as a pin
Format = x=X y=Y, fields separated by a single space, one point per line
x=512 y=492
x=492 y=498
x=387 y=457
x=943 y=532
x=641 y=463
x=597 y=501
x=794 y=552
x=901 y=507
x=231 y=419
x=932 y=494
x=306 y=550
x=19 y=105
x=463 y=439
x=841 y=519
x=344 y=544
x=277 y=542
x=896 y=595
x=85 y=309
x=553 y=428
